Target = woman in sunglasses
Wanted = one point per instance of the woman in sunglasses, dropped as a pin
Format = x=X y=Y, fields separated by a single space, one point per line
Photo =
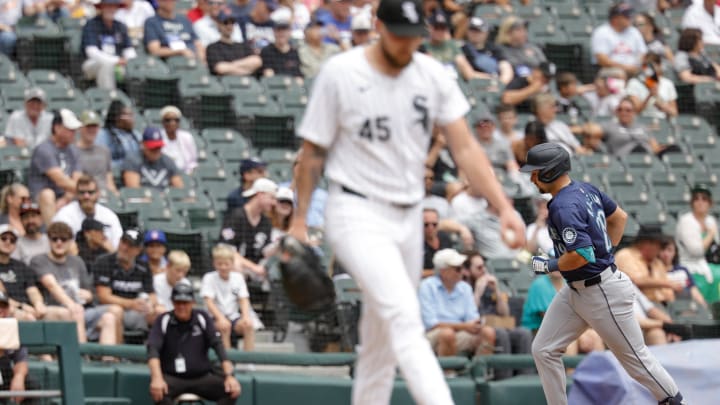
x=179 y=144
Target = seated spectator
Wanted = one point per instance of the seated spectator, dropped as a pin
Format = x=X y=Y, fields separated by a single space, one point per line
x=489 y=242
x=446 y=50
x=609 y=90
x=556 y=130
x=361 y=29
x=541 y=293
x=507 y=123
x=641 y=262
x=483 y=55
x=248 y=229
x=178 y=357
x=497 y=148
x=35 y=241
x=624 y=136
x=651 y=319
x=31 y=126
x=155 y=249
x=86 y=205
x=152 y=168
x=338 y=22
x=617 y=43
x=202 y=7
x=94 y=159
x=207 y=28
x=435 y=202
x=54 y=166
x=281 y=213
x=66 y=282
x=653 y=37
x=651 y=92
x=702 y=14
x=692 y=65
x=105 y=45
x=680 y=275
x=133 y=15
x=179 y=144
x=228 y=301
x=257 y=26
x=14 y=365
x=537 y=234
x=534 y=135
x=176 y=271
x=228 y=57
x=11 y=13
x=12 y=198
x=93 y=243
x=316 y=211
x=451 y=319
x=434 y=239
x=251 y=169
x=281 y=57
x=169 y=34
x=241 y=8
x=50 y=9
x=118 y=134
x=19 y=283
x=123 y=281
x=314 y=51
x=568 y=91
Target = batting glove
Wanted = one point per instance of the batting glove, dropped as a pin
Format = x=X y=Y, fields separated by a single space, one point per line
x=543 y=265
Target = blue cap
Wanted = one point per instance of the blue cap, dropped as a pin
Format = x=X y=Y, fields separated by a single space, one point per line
x=251 y=163
x=225 y=16
x=155 y=236
x=152 y=138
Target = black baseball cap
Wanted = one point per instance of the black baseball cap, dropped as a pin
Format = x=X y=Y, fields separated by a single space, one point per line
x=133 y=236
x=701 y=188
x=404 y=18
x=92 y=224
x=623 y=9
x=4 y=300
x=182 y=292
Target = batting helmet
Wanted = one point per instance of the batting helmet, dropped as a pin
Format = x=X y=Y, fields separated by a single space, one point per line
x=551 y=159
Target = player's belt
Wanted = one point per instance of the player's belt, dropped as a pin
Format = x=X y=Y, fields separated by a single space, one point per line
x=594 y=280
x=361 y=195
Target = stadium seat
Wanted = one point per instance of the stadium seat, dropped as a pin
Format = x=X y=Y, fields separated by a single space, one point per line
x=193 y=243
x=639 y=163
x=274 y=130
x=188 y=197
x=49 y=79
x=499 y=266
x=100 y=99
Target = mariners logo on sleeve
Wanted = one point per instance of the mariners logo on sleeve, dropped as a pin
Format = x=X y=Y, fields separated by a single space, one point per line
x=569 y=235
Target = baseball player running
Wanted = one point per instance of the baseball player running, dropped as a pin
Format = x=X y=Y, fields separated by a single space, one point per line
x=584 y=225
x=369 y=122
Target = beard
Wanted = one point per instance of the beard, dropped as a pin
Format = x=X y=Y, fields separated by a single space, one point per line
x=393 y=60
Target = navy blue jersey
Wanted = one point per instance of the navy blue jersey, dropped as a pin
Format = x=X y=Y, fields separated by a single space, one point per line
x=577 y=222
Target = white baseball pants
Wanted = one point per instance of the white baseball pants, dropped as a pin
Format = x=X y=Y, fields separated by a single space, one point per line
x=103 y=73
x=608 y=309
x=380 y=245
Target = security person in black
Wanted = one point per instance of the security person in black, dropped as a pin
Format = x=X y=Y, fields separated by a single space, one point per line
x=178 y=354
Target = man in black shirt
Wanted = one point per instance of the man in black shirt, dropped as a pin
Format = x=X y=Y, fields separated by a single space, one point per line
x=178 y=354
x=433 y=241
x=124 y=281
x=248 y=228
x=280 y=57
x=226 y=57
x=92 y=244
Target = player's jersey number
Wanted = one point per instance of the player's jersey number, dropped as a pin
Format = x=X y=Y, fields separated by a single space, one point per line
x=602 y=224
x=377 y=128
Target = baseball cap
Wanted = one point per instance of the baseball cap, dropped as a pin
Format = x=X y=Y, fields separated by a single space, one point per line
x=261 y=185
x=155 y=236
x=701 y=188
x=361 y=22
x=314 y=22
x=66 y=118
x=251 y=163
x=182 y=292
x=622 y=8
x=548 y=69
x=223 y=17
x=448 y=258
x=6 y=228
x=132 y=236
x=29 y=206
x=35 y=93
x=483 y=116
x=281 y=18
x=4 y=300
x=438 y=19
x=89 y=117
x=651 y=232
x=285 y=194
x=403 y=18
x=478 y=24
x=152 y=138
x=92 y=224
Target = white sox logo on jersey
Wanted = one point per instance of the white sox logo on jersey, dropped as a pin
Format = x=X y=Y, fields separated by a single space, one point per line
x=420 y=105
x=410 y=12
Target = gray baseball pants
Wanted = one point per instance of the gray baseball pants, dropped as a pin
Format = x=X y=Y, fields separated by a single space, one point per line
x=606 y=307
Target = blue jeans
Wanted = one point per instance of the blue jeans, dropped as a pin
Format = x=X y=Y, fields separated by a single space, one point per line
x=7 y=42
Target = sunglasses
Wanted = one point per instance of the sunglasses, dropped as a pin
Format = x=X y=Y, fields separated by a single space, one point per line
x=625 y=109
x=168 y=120
x=457 y=268
x=433 y=224
x=10 y=239
x=88 y=192
x=56 y=239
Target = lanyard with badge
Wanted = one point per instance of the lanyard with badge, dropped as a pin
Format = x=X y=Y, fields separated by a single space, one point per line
x=180 y=365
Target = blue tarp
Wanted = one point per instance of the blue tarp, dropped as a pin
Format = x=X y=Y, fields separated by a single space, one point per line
x=695 y=366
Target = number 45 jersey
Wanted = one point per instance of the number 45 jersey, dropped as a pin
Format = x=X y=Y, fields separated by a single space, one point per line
x=377 y=128
x=577 y=222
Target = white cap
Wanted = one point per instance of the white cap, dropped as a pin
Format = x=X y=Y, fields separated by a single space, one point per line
x=68 y=119
x=285 y=194
x=282 y=16
x=6 y=228
x=361 y=21
x=261 y=185
x=448 y=258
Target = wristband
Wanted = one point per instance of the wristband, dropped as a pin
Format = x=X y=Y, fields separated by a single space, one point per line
x=553 y=265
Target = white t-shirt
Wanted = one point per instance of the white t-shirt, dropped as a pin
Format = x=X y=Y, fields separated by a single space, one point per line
x=207 y=32
x=544 y=242
x=627 y=47
x=182 y=150
x=225 y=293
x=163 y=289
x=666 y=92
x=696 y=17
x=134 y=17
x=72 y=215
x=377 y=128
x=558 y=131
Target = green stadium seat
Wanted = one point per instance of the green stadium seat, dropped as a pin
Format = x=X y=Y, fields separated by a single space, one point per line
x=203 y=219
x=188 y=197
x=13 y=95
x=637 y=192
x=272 y=155
x=639 y=163
x=100 y=99
x=499 y=266
x=183 y=64
x=702 y=176
x=528 y=12
x=71 y=99
x=680 y=162
x=274 y=130
x=280 y=85
x=242 y=84
x=160 y=90
x=491 y=13
x=193 y=243
x=49 y=79
x=52 y=50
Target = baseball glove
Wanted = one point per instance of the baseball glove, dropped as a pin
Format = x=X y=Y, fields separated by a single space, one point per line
x=306 y=283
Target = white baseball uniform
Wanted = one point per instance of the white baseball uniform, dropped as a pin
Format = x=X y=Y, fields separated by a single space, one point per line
x=376 y=130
